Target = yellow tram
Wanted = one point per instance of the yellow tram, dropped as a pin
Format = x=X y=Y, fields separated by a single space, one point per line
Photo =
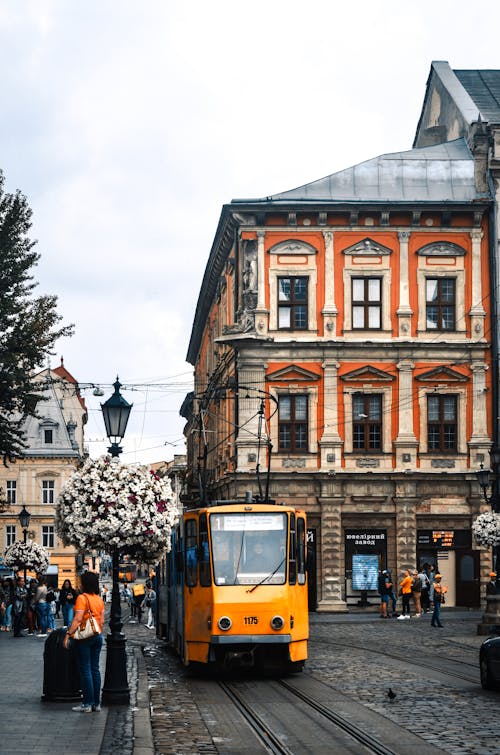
x=234 y=587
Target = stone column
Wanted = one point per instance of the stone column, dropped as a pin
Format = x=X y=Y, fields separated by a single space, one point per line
x=406 y=443
x=404 y=311
x=252 y=374
x=329 y=311
x=332 y=583
x=479 y=443
x=330 y=442
x=477 y=313
x=406 y=526
x=261 y=313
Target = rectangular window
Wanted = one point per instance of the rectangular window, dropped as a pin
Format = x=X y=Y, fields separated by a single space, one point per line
x=292 y=303
x=366 y=303
x=442 y=423
x=11 y=491
x=48 y=536
x=47 y=491
x=191 y=553
x=48 y=436
x=440 y=303
x=10 y=534
x=367 y=422
x=292 y=423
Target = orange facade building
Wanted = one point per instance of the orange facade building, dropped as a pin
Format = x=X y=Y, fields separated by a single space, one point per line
x=343 y=336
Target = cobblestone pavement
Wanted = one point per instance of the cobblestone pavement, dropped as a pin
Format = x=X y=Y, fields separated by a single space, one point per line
x=455 y=715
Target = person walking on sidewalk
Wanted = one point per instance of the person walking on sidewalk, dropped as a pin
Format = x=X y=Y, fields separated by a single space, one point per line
x=67 y=597
x=149 y=604
x=19 y=607
x=416 y=589
x=405 y=586
x=439 y=593
x=8 y=597
x=42 y=607
x=89 y=650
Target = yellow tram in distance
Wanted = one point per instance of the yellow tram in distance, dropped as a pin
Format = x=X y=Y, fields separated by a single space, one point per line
x=235 y=587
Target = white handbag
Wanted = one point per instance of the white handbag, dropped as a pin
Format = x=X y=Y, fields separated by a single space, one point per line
x=87 y=628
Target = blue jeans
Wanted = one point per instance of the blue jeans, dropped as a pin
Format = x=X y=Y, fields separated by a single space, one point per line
x=88 y=652
x=436 y=616
x=7 y=617
x=68 y=612
x=42 y=610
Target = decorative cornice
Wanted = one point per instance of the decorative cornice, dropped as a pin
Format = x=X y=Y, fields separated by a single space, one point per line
x=367 y=247
x=292 y=247
x=367 y=373
x=293 y=373
x=442 y=373
x=441 y=249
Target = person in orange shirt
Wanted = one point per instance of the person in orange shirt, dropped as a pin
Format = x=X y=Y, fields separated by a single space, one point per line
x=405 y=586
x=89 y=650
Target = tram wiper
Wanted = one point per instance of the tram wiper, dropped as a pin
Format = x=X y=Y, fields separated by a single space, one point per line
x=268 y=576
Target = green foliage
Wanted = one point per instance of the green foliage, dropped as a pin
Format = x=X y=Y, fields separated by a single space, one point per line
x=28 y=323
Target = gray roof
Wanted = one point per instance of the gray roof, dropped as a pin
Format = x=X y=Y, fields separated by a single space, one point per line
x=484 y=89
x=442 y=173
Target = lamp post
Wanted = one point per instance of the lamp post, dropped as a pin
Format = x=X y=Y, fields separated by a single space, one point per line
x=24 y=520
x=483 y=478
x=116 y=691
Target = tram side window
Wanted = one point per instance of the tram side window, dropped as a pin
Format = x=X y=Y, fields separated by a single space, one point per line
x=301 y=551
x=205 y=577
x=292 y=561
x=191 y=552
x=179 y=566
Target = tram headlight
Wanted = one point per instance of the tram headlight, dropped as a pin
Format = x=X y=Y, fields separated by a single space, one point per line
x=224 y=623
x=277 y=622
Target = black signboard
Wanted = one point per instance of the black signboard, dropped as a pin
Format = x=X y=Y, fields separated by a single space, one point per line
x=443 y=539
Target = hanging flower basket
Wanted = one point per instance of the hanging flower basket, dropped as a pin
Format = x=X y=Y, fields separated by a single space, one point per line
x=27 y=555
x=108 y=505
x=486 y=529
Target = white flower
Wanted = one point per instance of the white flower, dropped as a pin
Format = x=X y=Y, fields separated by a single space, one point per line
x=486 y=529
x=106 y=503
x=29 y=555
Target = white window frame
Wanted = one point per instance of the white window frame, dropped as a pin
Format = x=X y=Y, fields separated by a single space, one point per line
x=460 y=321
x=48 y=492
x=48 y=536
x=10 y=534
x=11 y=491
x=385 y=315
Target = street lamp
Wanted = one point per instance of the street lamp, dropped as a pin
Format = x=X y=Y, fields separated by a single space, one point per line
x=483 y=478
x=24 y=520
x=116 y=412
x=116 y=691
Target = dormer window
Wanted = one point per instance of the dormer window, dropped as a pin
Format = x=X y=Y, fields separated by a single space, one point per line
x=48 y=436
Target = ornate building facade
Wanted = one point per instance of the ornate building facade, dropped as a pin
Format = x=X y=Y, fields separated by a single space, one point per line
x=350 y=321
x=55 y=446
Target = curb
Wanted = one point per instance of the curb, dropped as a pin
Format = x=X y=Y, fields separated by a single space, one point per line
x=143 y=735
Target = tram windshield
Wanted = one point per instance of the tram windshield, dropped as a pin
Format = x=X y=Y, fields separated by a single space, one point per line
x=249 y=548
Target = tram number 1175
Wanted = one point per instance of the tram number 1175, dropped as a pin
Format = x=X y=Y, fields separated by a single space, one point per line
x=251 y=620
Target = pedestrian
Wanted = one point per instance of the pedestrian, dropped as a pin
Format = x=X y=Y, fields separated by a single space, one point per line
x=8 y=598
x=138 y=592
x=405 y=587
x=392 y=596
x=491 y=587
x=50 y=599
x=89 y=650
x=424 y=595
x=42 y=607
x=384 y=588
x=149 y=604
x=67 y=597
x=57 y=594
x=19 y=607
x=431 y=573
x=439 y=593
x=416 y=588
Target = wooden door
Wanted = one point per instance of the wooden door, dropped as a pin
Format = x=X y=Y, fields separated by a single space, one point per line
x=467 y=578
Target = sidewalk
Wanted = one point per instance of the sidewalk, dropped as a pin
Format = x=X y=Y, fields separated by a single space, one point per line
x=29 y=725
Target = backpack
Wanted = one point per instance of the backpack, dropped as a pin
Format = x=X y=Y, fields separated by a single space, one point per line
x=50 y=597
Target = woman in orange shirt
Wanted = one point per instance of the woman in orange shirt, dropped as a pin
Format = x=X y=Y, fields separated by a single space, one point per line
x=405 y=586
x=88 y=650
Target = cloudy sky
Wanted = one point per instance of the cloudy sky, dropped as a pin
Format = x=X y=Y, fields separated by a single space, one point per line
x=129 y=123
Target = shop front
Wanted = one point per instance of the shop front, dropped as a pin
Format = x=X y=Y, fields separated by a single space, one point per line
x=365 y=555
x=450 y=551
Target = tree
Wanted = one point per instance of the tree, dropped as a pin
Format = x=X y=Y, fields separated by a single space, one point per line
x=28 y=324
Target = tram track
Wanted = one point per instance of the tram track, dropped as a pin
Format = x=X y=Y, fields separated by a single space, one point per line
x=273 y=741
x=433 y=662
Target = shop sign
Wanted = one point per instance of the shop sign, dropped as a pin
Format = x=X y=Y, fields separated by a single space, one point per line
x=361 y=538
x=445 y=538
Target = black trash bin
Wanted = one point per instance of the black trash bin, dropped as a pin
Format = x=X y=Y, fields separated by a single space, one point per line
x=61 y=678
